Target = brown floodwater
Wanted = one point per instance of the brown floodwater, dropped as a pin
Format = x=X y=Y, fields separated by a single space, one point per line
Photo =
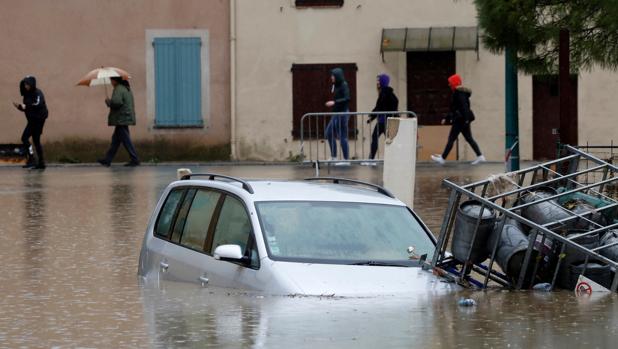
x=69 y=245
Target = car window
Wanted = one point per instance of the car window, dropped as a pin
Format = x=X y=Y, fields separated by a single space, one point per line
x=198 y=219
x=179 y=225
x=168 y=212
x=234 y=225
x=342 y=232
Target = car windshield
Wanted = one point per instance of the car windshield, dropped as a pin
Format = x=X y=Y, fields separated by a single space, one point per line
x=343 y=233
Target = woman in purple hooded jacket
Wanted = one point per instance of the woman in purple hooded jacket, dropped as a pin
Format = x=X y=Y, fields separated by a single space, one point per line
x=387 y=101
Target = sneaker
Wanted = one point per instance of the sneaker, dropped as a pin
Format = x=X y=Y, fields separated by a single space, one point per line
x=437 y=158
x=132 y=164
x=332 y=158
x=29 y=165
x=478 y=159
x=40 y=166
x=342 y=163
x=103 y=162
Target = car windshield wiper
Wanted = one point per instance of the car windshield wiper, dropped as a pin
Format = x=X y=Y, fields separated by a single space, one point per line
x=381 y=264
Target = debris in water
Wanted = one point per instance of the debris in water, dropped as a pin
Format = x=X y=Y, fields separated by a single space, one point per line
x=466 y=302
x=544 y=287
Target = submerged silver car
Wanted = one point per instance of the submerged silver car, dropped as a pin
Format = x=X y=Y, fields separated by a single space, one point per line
x=322 y=236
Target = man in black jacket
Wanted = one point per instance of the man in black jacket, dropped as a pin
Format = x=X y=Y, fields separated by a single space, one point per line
x=460 y=117
x=387 y=101
x=338 y=125
x=33 y=105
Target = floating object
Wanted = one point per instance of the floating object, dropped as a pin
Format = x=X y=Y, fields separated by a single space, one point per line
x=512 y=246
x=465 y=224
x=544 y=287
x=466 y=302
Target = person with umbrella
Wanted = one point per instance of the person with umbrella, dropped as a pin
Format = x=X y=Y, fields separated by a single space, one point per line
x=35 y=108
x=121 y=116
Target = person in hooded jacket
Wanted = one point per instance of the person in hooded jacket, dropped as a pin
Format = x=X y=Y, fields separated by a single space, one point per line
x=338 y=125
x=387 y=101
x=460 y=116
x=121 y=116
x=35 y=108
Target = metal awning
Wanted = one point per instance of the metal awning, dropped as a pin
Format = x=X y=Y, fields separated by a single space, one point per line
x=430 y=39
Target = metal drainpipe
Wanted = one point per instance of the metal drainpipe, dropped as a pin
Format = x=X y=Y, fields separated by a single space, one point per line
x=233 y=154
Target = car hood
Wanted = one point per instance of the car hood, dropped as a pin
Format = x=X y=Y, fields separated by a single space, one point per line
x=356 y=280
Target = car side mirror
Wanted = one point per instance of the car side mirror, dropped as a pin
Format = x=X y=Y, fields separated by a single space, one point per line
x=231 y=253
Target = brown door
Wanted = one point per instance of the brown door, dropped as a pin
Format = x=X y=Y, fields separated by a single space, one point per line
x=429 y=97
x=428 y=92
x=546 y=127
x=311 y=88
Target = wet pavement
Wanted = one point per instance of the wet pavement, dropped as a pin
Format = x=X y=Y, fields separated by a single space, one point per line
x=69 y=244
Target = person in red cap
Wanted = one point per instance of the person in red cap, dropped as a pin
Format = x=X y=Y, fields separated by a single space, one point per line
x=460 y=118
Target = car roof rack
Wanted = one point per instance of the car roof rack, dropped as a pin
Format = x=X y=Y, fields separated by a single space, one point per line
x=213 y=176
x=337 y=180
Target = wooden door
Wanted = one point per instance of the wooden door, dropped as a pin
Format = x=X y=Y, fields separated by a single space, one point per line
x=428 y=92
x=311 y=88
x=546 y=126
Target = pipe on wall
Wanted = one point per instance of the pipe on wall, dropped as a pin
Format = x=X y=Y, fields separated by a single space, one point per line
x=233 y=151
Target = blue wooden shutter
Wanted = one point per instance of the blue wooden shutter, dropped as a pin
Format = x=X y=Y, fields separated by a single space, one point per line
x=178 y=89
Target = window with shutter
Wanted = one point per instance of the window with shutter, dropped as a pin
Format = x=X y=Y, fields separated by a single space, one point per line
x=178 y=87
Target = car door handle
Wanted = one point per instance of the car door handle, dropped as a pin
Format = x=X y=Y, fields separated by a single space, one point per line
x=164 y=266
x=203 y=279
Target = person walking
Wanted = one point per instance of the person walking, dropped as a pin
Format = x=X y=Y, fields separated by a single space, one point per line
x=387 y=101
x=35 y=108
x=121 y=116
x=338 y=125
x=460 y=116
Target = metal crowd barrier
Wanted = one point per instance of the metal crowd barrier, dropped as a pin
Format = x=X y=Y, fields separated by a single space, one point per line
x=565 y=173
x=607 y=153
x=314 y=146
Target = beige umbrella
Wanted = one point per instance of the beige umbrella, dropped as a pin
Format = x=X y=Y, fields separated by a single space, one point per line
x=101 y=76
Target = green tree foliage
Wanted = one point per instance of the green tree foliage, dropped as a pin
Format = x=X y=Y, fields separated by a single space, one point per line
x=532 y=28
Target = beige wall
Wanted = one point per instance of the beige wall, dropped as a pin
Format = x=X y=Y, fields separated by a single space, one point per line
x=351 y=34
x=597 y=107
x=58 y=41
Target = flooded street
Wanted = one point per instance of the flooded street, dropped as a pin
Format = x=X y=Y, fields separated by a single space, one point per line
x=69 y=245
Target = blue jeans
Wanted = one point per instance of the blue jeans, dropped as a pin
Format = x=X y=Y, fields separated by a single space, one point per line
x=121 y=136
x=338 y=128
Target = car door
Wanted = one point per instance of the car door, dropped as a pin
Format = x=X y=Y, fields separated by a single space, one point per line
x=184 y=254
x=153 y=260
x=233 y=226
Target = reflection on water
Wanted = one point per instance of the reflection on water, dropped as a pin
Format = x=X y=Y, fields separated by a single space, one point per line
x=34 y=223
x=183 y=317
x=70 y=239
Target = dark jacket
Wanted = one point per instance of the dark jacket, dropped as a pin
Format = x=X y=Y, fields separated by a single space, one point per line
x=387 y=101
x=460 y=106
x=121 y=111
x=36 y=108
x=341 y=92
